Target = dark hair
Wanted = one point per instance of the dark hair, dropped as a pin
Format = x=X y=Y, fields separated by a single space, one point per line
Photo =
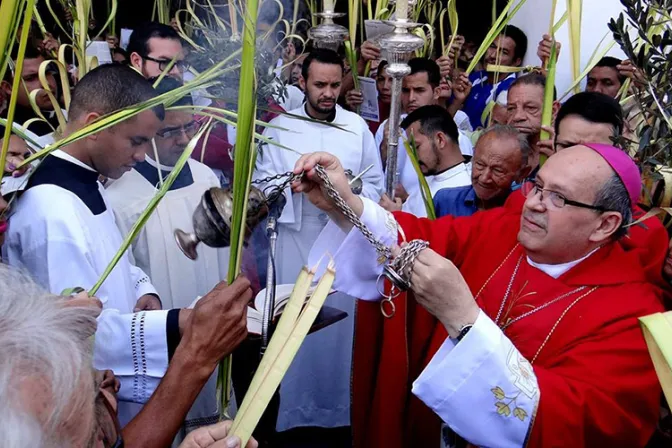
x=120 y=51
x=594 y=107
x=381 y=67
x=614 y=196
x=139 y=40
x=109 y=88
x=168 y=84
x=424 y=65
x=323 y=56
x=533 y=79
x=32 y=52
x=433 y=119
x=611 y=62
x=520 y=39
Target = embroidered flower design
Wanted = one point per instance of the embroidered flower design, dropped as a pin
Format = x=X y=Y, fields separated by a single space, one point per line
x=504 y=404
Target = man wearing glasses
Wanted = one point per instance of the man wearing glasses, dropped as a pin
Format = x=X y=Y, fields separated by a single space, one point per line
x=152 y=47
x=520 y=327
x=179 y=279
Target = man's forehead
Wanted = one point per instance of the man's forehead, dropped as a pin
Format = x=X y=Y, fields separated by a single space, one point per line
x=163 y=47
x=575 y=169
x=325 y=72
x=527 y=91
x=31 y=66
x=603 y=73
x=176 y=118
x=496 y=146
x=417 y=79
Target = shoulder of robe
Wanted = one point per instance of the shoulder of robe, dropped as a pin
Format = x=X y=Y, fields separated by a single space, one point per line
x=202 y=172
x=48 y=201
x=124 y=192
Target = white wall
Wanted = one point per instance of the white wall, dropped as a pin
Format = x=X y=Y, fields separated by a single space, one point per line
x=534 y=18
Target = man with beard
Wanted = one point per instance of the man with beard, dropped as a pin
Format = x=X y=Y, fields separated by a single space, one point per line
x=509 y=50
x=500 y=160
x=420 y=88
x=533 y=342
x=439 y=157
x=525 y=104
x=306 y=398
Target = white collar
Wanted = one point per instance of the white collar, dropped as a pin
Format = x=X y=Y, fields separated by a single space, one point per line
x=556 y=270
x=65 y=156
x=152 y=162
x=450 y=173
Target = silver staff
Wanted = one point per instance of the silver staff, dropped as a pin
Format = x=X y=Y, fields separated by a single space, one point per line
x=327 y=34
x=397 y=48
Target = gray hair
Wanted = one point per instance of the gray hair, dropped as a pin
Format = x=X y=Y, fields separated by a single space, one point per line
x=508 y=131
x=613 y=196
x=47 y=345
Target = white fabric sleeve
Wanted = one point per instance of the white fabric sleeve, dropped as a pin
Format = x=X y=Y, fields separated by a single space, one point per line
x=373 y=181
x=141 y=281
x=481 y=387
x=357 y=267
x=134 y=347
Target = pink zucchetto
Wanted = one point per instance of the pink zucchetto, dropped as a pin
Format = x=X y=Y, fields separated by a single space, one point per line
x=623 y=165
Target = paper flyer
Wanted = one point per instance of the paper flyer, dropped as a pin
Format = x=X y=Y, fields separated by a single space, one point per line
x=369 y=108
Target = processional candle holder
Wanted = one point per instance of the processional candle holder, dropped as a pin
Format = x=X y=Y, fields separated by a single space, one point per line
x=327 y=34
x=397 y=48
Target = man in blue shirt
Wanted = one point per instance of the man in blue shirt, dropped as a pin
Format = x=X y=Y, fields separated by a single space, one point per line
x=500 y=159
x=509 y=50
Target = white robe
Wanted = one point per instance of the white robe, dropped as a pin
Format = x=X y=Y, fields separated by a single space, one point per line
x=458 y=176
x=407 y=176
x=62 y=244
x=178 y=279
x=316 y=389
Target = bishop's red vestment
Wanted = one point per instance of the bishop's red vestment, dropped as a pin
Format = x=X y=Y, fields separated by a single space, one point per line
x=596 y=381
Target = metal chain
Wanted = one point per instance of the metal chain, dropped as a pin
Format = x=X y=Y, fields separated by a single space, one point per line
x=403 y=263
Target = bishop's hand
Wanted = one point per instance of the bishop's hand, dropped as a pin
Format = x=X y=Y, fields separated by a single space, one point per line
x=440 y=288
x=312 y=186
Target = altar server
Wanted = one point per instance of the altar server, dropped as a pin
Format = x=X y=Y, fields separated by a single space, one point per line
x=63 y=232
x=316 y=391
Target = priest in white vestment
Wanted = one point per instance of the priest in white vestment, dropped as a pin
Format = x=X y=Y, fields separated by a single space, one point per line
x=63 y=232
x=316 y=390
x=439 y=158
x=178 y=279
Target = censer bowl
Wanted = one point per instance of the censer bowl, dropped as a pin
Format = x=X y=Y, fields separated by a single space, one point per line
x=212 y=220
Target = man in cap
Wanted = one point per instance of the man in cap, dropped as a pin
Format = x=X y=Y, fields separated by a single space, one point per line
x=533 y=341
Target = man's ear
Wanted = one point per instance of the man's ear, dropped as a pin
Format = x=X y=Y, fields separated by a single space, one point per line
x=136 y=60
x=518 y=62
x=610 y=222
x=437 y=93
x=87 y=120
x=6 y=87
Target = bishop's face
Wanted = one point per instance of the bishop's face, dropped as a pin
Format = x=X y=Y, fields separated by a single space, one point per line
x=322 y=88
x=552 y=233
x=117 y=149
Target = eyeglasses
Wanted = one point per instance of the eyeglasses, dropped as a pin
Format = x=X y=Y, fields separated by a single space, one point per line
x=531 y=189
x=109 y=429
x=182 y=66
x=189 y=130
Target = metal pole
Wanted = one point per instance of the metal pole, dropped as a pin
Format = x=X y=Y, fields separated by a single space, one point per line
x=269 y=302
x=391 y=173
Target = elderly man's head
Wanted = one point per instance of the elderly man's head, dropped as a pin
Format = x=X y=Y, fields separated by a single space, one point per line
x=525 y=103
x=500 y=159
x=577 y=203
x=47 y=389
x=588 y=117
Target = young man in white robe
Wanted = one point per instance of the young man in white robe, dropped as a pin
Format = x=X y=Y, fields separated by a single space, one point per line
x=316 y=390
x=63 y=233
x=178 y=279
x=439 y=157
x=420 y=88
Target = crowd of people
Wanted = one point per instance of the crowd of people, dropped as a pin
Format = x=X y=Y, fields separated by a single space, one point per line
x=520 y=327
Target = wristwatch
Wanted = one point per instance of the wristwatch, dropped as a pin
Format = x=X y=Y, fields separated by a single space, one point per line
x=463 y=331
